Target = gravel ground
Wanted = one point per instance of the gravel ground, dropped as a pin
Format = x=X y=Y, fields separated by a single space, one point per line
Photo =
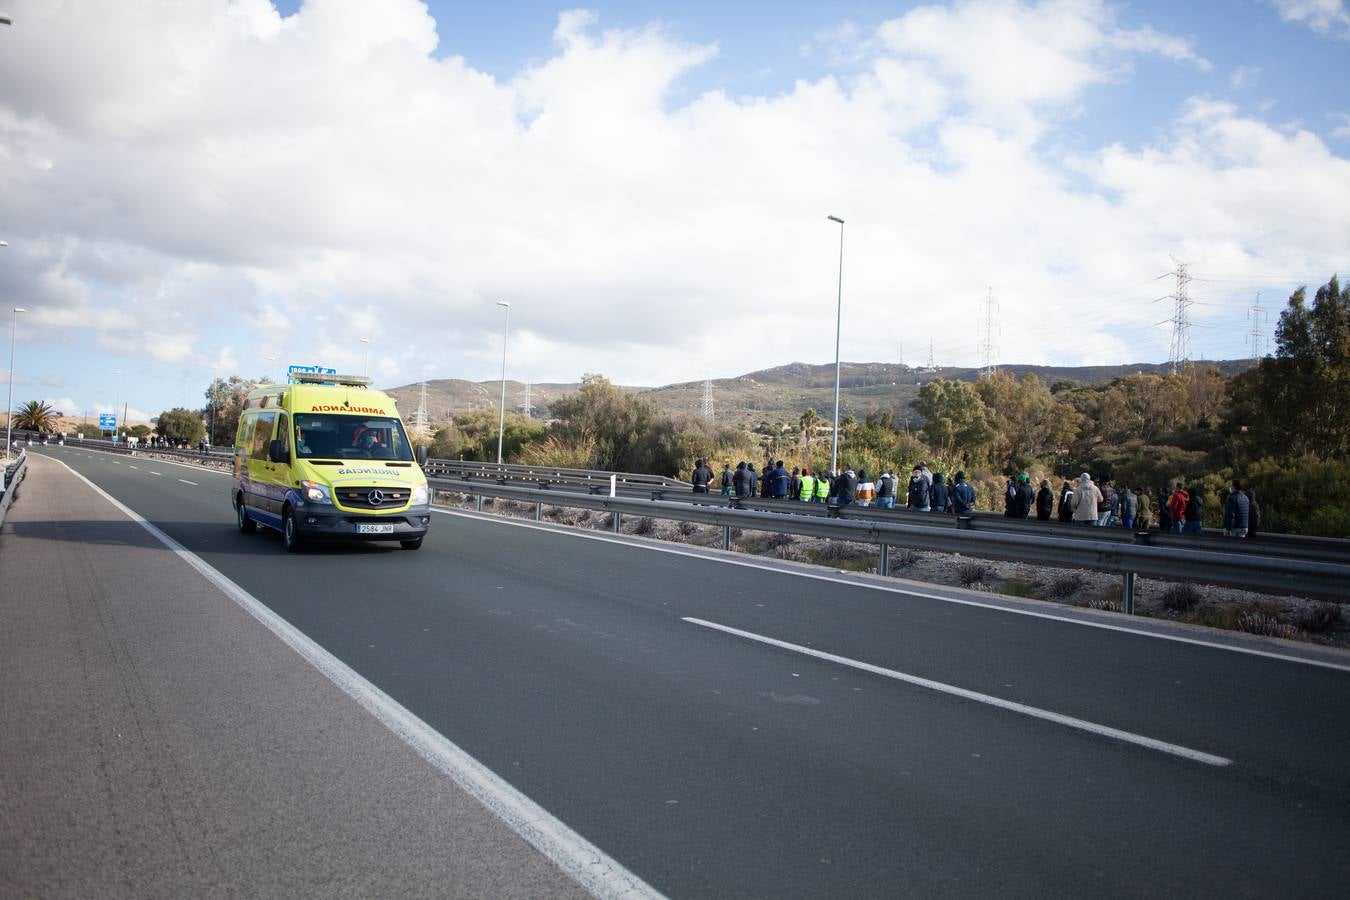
x=1273 y=615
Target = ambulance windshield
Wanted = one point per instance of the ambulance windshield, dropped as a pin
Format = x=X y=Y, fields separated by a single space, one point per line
x=322 y=436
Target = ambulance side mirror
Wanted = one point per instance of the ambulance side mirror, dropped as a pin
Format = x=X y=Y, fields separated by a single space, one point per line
x=277 y=453
x=422 y=455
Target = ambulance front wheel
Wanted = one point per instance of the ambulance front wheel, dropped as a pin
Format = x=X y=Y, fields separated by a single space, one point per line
x=290 y=533
x=412 y=544
x=246 y=525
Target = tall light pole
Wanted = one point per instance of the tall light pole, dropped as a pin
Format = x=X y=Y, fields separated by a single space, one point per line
x=501 y=419
x=9 y=406
x=838 y=323
x=365 y=366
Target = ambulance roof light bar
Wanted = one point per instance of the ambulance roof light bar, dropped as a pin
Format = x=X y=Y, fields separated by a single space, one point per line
x=322 y=378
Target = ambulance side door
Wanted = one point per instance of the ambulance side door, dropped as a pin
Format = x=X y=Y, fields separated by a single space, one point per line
x=262 y=472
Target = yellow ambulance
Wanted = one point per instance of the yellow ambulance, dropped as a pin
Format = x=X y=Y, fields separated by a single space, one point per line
x=325 y=457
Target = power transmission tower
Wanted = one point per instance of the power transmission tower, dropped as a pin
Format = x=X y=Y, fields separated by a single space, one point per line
x=1180 y=353
x=988 y=348
x=526 y=406
x=1257 y=336
x=902 y=354
x=708 y=400
x=420 y=425
x=931 y=366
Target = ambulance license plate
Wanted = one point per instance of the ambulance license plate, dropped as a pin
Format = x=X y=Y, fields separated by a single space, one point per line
x=364 y=528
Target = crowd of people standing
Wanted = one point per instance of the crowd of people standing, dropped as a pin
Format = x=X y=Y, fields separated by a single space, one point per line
x=1098 y=503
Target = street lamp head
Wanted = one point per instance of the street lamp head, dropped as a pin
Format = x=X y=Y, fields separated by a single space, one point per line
x=19 y=309
x=835 y=219
x=365 y=340
x=4 y=243
x=504 y=303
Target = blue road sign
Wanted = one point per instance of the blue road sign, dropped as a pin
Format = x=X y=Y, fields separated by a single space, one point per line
x=107 y=421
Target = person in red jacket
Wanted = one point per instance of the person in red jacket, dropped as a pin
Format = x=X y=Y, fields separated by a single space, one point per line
x=1176 y=505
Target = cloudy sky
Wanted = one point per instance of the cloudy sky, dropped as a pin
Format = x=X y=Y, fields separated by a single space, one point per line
x=199 y=187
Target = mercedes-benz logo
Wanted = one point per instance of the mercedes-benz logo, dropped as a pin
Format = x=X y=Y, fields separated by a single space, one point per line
x=376 y=497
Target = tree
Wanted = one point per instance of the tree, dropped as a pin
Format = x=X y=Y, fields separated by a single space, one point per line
x=956 y=421
x=181 y=425
x=1298 y=402
x=35 y=415
x=613 y=421
x=807 y=423
x=1030 y=421
x=224 y=403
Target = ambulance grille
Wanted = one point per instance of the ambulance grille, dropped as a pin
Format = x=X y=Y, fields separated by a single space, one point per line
x=371 y=497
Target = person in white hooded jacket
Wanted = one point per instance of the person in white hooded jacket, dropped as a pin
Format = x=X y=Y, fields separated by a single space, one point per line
x=1086 y=499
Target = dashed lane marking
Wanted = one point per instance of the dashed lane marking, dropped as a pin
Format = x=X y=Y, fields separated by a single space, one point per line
x=1034 y=712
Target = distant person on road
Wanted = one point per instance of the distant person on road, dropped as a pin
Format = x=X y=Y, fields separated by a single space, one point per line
x=939 y=495
x=1045 y=501
x=1253 y=514
x=917 y=495
x=1164 y=514
x=962 y=496
x=1236 y=511
x=765 y=480
x=1027 y=501
x=1195 y=511
x=752 y=480
x=1086 y=499
x=740 y=481
x=779 y=481
x=1129 y=506
x=1176 y=507
x=728 y=479
x=824 y=484
x=886 y=490
x=1110 y=503
x=795 y=485
x=846 y=487
x=867 y=489
x=806 y=486
x=1144 y=518
x=1065 y=512
x=701 y=477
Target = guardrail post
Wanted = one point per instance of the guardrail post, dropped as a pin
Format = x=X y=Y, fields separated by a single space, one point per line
x=726 y=537
x=965 y=522
x=885 y=562
x=539 y=511
x=480 y=502
x=1127 y=594
x=618 y=518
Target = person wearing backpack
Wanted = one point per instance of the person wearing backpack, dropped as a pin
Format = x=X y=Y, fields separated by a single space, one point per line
x=1066 y=502
x=886 y=490
x=728 y=479
x=962 y=496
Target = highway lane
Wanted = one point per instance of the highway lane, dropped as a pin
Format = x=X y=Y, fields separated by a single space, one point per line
x=708 y=763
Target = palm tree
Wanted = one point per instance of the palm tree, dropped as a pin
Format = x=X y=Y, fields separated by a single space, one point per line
x=35 y=416
x=808 y=423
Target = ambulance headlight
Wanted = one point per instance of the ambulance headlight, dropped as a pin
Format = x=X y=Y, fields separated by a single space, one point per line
x=313 y=492
x=419 y=495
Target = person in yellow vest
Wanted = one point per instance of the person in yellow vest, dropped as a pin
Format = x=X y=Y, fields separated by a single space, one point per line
x=822 y=488
x=807 y=490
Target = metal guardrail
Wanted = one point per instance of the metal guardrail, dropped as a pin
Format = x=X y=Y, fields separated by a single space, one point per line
x=1306 y=578
x=552 y=475
x=9 y=483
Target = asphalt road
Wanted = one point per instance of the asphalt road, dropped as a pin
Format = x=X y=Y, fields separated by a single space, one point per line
x=712 y=763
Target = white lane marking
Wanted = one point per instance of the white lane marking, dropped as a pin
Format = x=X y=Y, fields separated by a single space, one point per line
x=193 y=483
x=153 y=472
x=103 y=454
x=1128 y=737
x=584 y=862
x=130 y=466
x=649 y=544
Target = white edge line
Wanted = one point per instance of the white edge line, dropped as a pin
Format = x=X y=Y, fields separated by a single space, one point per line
x=894 y=589
x=1034 y=712
x=591 y=867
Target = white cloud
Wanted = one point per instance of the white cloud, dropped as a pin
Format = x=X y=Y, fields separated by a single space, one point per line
x=1244 y=76
x=1322 y=16
x=207 y=184
x=1342 y=131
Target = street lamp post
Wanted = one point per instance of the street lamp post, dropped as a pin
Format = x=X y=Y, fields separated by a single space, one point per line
x=9 y=406
x=838 y=324
x=501 y=420
x=365 y=366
